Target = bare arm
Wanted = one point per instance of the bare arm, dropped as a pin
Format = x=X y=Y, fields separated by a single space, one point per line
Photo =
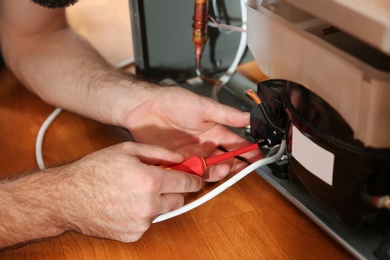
x=60 y=67
x=113 y=193
x=28 y=208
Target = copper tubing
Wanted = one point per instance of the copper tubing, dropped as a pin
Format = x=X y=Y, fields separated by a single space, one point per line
x=253 y=95
x=199 y=34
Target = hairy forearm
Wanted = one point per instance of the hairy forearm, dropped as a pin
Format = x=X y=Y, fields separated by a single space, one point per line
x=30 y=208
x=66 y=71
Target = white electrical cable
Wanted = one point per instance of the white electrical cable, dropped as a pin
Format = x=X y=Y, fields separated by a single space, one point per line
x=240 y=53
x=53 y=115
x=41 y=135
x=216 y=9
x=224 y=186
x=222 y=28
x=227 y=27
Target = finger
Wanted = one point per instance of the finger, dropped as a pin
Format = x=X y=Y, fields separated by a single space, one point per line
x=238 y=166
x=230 y=116
x=203 y=149
x=156 y=155
x=170 y=202
x=220 y=171
x=178 y=182
x=217 y=172
x=220 y=136
x=231 y=141
x=128 y=237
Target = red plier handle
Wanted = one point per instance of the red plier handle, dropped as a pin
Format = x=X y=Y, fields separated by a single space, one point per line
x=197 y=165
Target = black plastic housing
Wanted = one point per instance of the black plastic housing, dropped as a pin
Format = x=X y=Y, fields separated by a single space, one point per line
x=272 y=104
x=356 y=168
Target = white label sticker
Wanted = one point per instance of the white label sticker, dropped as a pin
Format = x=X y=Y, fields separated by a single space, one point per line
x=314 y=158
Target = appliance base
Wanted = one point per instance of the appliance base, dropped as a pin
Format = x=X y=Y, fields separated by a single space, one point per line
x=361 y=243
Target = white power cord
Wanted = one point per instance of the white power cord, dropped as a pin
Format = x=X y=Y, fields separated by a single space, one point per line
x=224 y=186
x=240 y=52
x=41 y=135
x=228 y=28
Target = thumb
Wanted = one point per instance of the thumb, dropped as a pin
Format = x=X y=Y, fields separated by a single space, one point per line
x=230 y=116
x=157 y=155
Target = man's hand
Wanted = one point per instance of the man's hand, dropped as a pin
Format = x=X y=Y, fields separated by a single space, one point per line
x=188 y=123
x=123 y=192
x=113 y=193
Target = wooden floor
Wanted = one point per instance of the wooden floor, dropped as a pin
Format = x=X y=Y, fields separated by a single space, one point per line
x=251 y=220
